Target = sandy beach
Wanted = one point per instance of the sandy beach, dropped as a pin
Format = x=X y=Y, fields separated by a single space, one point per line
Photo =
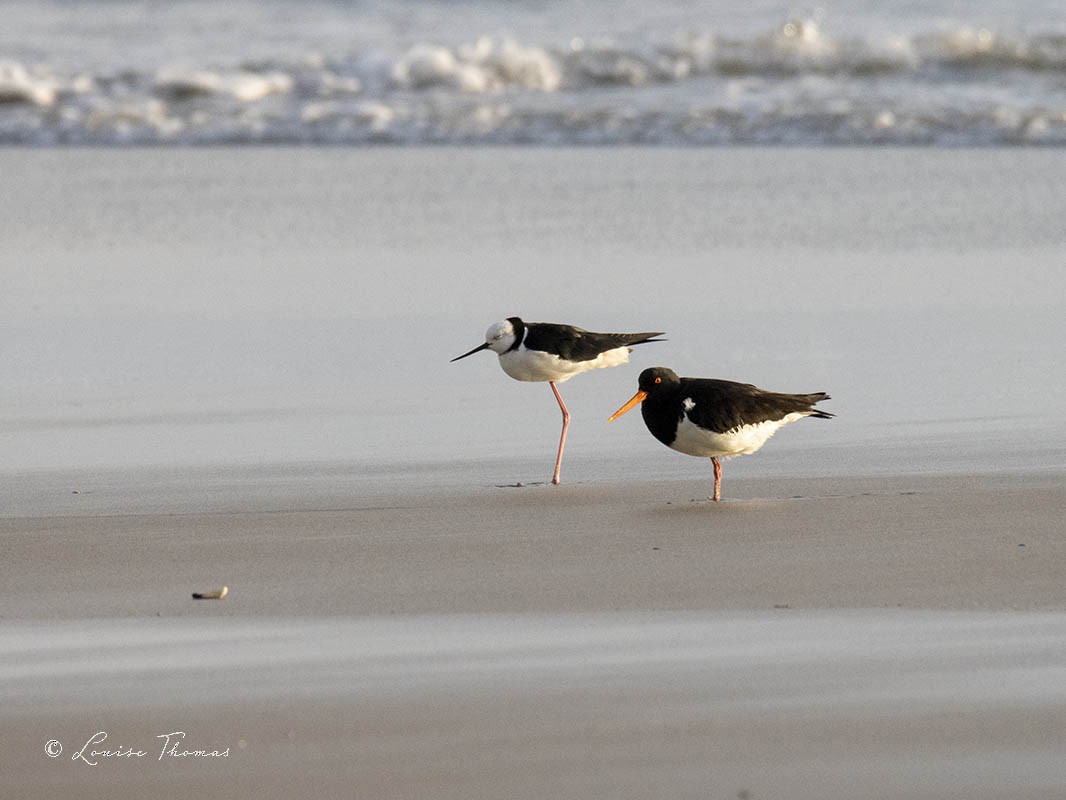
x=897 y=637
x=230 y=368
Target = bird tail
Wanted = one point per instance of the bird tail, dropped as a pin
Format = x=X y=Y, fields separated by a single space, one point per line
x=644 y=338
x=818 y=397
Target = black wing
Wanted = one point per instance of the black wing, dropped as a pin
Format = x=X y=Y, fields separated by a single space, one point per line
x=578 y=344
x=724 y=405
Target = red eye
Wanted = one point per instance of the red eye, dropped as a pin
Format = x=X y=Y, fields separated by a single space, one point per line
x=658 y=380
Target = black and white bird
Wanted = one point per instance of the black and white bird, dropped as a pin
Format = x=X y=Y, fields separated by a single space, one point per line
x=714 y=418
x=545 y=351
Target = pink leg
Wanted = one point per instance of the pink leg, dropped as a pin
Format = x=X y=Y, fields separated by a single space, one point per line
x=717 y=480
x=562 y=438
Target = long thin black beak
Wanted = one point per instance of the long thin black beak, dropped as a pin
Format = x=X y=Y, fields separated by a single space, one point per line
x=475 y=350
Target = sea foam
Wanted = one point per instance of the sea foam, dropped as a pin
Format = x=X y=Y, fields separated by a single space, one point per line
x=796 y=83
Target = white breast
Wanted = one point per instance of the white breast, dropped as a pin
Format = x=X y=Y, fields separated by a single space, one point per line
x=696 y=441
x=536 y=365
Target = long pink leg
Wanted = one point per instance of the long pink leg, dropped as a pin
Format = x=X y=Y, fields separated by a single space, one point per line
x=562 y=438
x=717 y=480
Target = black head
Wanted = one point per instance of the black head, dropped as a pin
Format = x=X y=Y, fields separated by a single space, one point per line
x=655 y=379
x=651 y=383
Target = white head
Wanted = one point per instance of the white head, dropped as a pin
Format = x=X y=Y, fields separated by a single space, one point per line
x=500 y=337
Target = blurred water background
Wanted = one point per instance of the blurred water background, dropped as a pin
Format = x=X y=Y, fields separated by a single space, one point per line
x=545 y=72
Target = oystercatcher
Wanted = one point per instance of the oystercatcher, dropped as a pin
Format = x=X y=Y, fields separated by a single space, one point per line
x=545 y=351
x=714 y=418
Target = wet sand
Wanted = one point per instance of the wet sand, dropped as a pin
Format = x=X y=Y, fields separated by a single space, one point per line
x=831 y=638
x=990 y=543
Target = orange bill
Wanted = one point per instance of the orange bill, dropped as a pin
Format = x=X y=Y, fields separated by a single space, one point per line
x=634 y=401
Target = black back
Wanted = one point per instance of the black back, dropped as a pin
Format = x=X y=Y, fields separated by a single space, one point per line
x=573 y=343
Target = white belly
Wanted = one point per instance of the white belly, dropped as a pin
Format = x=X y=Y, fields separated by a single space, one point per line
x=695 y=441
x=536 y=365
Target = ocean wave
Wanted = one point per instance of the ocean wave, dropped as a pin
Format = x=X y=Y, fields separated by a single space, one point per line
x=243 y=85
x=795 y=84
x=18 y=85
